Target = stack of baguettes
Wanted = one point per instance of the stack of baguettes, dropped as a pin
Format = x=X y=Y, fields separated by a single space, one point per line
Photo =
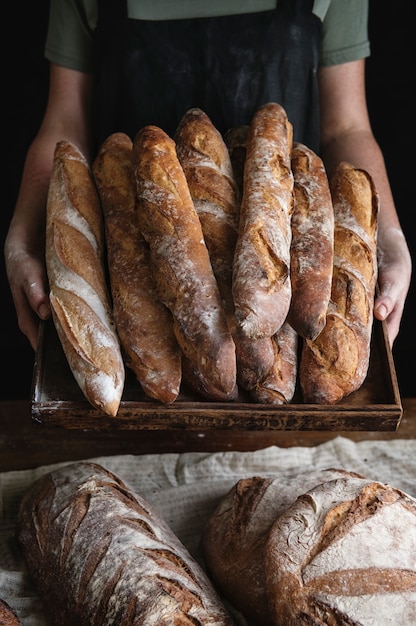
x=234 y=263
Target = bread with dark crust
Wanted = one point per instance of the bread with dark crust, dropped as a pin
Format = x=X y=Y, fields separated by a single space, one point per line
x=144 y=325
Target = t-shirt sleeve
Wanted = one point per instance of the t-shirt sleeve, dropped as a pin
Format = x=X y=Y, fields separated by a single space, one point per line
x=69 y=40
x=345 y=32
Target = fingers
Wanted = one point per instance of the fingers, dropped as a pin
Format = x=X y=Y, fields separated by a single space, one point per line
x=384 y=309
x=28 y=284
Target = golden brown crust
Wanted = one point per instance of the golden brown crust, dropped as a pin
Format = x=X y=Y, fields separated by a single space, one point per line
x=261 y=272
x=343 y=553
x=312 y=246
x=143 y=323
x=100 y=554
x=235 y=536
x=180 y=261
x=207 y=166
x=336 y=363
x=79 y=297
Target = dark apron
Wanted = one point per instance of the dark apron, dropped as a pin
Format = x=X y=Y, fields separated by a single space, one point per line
x=152 y=72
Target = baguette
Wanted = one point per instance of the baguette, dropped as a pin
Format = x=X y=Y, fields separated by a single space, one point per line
x=181 y=265
x=266 y=367
x=235 y=536
x=344 y=553
x=144 y=325
x=312 y=246
x=261 y=271
x=100 y=554
x=336 y=363
x=79 y=297
x=206 y=163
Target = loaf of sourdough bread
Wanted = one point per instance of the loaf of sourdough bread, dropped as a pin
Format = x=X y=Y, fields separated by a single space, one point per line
x=79 y=296
x=312 y=246
x=261 y=270
x=144 y=325
x=100 y=554
x=335 y=363
x=235 y=536
x=181 y=265
x=344 y=553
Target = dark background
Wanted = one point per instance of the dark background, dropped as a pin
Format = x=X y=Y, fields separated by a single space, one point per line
x=390 y=87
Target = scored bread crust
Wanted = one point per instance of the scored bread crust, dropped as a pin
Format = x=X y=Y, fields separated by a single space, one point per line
x=144 y=325
x=99 y=554
x=336 y=363
x=266 y=366
x=181 y=265
x=261 y=270
x=79 y=297
x=206 y=163
x=344 y=553
x=312 y=245
x=235 y=536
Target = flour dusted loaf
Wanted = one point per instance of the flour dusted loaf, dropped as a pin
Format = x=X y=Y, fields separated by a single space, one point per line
x=266 y=366
x=312 y=245
x=144 y=325
x=344 y=553
x=235 y=536
x=261 y=271
x=99 y=554
x=336 y=363
x=79 y=297
x=181 y=265
x=206 y=163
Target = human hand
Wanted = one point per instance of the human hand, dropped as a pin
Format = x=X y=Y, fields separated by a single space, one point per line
x=26 y=274
x=394 y=274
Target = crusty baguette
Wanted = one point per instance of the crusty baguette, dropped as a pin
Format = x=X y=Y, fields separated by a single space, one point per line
x=207 y=166
x=266 y=367
x=79 y=297
x=344 y=553
x=144 y=325
x=336 y=363
x=8 y=616
x=180 y=261
x=206 y=163
x=312 y=246
x=235 y=536
x=261 y=272
x=100 y=554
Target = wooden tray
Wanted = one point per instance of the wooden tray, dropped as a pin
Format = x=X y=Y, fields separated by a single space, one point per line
x=57 y=401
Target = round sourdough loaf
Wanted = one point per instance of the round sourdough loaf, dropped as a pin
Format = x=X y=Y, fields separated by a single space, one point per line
x=235 y=536
x=344 y=553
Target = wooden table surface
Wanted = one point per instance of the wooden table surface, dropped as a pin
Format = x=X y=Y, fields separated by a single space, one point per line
x=25 y=444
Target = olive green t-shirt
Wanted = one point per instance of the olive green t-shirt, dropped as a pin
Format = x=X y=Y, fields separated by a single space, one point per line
x=72 y=22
